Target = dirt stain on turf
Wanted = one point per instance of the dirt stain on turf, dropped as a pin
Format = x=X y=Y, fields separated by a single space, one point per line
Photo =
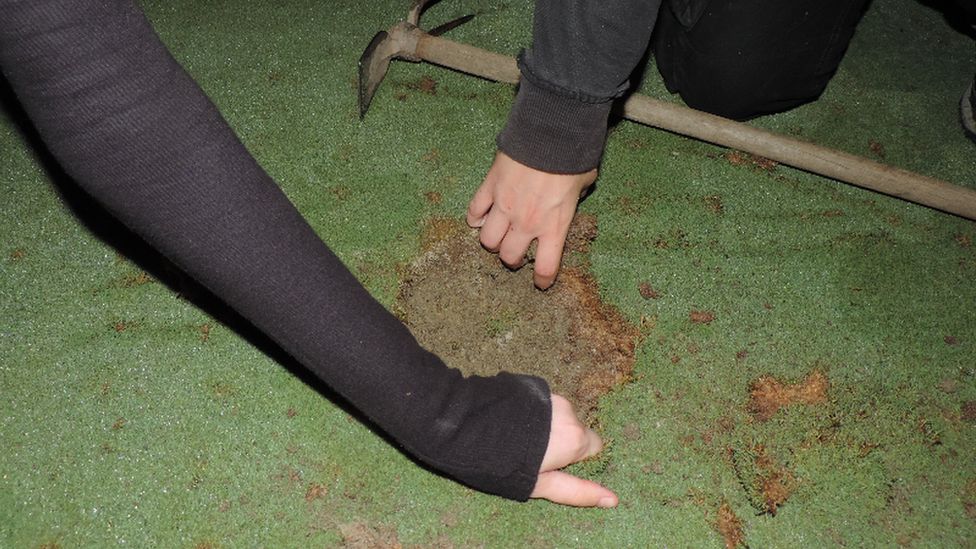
x=713 y=203
x=315 y=491
x=967 y=411
x=729 y=527
x=739 y=158
x=204 y=330
x=701 y=317
x=135 y=280
x=767 y=483
x=425 y=84
x=969 y=499
x=767 y=394
x=775 y=483
x=358 y=535
x=461 y=303
x=647 y=291
x=877 y=148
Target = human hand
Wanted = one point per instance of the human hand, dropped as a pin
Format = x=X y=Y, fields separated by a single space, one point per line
x=570 y=441
x=517 y=204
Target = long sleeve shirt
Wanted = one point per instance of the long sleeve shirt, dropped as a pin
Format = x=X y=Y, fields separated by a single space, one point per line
x=128 y=124
x=581 y=57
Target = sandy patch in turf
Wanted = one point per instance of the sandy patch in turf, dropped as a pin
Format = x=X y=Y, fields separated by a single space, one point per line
x=480 y=317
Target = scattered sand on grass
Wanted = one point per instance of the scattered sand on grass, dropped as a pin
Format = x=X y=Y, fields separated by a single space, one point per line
x=480 y=317
x=967 y=411
x=775 y=483
x=359 y=535
x=135 y=280
x=776 y=489
x=767 y=394
x=316 y=491
x=425 y=84
x=647 y=291
x=714 y=204
x=767 y=483
x=729 y=527
x=739 y=158
x=969 y=499
x=701 y=317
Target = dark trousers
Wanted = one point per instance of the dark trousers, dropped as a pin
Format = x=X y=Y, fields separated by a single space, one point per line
x=745 y=58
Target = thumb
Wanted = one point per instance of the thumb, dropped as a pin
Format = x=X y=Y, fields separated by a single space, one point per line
x=565 y=489
x=480 y=203
x=570 y=441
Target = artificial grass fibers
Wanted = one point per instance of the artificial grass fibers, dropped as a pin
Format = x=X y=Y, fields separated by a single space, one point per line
x=131 y=415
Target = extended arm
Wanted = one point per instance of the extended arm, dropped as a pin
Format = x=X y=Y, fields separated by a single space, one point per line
x=132 y=128
x=581 y=56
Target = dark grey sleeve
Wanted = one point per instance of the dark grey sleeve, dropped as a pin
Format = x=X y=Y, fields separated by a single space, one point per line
x=132 y=128
x=581 y=56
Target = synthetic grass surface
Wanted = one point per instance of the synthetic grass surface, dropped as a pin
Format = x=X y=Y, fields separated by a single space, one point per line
x=131 y=416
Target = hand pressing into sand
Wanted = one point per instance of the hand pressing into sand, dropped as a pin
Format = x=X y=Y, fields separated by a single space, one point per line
x=517 y=204
x=570 y=441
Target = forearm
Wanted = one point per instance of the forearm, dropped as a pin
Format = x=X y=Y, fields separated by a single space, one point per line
x=581 y=56
x=131 y=127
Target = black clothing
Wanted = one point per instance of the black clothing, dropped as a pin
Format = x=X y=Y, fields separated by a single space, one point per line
x=735 y=58
x=133 y=129
x=745 y=58
x=581 y=56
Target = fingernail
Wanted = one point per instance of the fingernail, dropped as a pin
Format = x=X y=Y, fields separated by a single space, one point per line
x=607 y=503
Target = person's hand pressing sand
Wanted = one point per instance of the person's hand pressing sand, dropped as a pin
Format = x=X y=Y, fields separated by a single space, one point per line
x=569 y=442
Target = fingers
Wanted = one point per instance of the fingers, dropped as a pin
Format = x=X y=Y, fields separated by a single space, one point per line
x=494 y=229
x=513 y=248
x=480 y=204
x=548 y=256
x=570 y=441
x=569 y=444
x=517 y=204
x=593 y=446
x=565 y=489
x=501 y=234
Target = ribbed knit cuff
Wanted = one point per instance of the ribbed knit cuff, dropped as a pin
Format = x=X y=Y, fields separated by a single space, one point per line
x=552 y=132
x=520 y=430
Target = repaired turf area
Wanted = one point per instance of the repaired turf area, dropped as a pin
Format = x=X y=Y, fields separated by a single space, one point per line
x=805 y=372
x=482 y=318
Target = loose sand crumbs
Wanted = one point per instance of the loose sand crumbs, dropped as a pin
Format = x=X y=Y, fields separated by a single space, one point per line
x=480 y=317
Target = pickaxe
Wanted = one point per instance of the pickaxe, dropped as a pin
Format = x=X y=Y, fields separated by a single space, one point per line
x=406 y=40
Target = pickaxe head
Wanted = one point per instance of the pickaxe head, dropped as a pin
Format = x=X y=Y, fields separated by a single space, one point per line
x=372 y=69
x=398 y=42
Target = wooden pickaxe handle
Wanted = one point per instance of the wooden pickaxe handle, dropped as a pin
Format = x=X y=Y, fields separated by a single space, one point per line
x=838 y=165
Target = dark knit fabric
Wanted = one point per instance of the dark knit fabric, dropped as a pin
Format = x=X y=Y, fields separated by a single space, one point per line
x=131 y=127
x=734 y=58
x=552 y=132
x=746 y=58
x=581 y=56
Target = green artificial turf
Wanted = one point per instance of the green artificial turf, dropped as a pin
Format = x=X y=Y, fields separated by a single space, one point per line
x=131 y=416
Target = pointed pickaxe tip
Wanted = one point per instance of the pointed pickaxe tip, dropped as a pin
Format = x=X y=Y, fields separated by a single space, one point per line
x=373 y=64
